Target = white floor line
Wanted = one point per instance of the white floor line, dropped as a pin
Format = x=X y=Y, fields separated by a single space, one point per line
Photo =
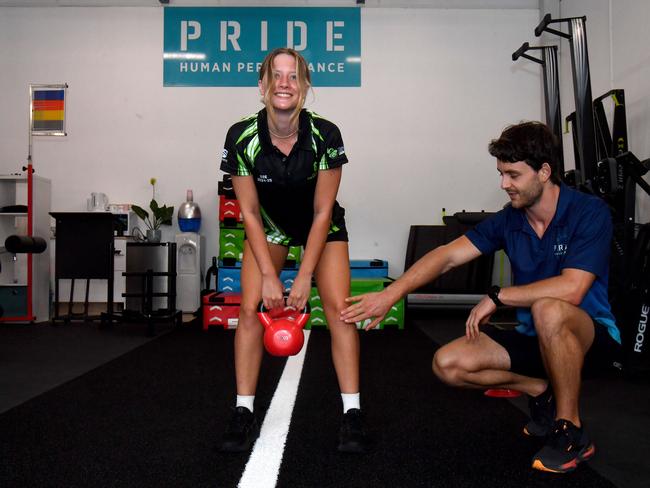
x=263 y=466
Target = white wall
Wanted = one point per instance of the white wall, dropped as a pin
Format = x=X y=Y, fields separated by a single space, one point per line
x=437 y=85
x=618 y=40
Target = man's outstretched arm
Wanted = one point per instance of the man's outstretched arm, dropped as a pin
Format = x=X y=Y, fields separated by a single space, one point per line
x=436 y=262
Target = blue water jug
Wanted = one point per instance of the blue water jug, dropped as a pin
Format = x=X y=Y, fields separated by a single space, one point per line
x=189 y=215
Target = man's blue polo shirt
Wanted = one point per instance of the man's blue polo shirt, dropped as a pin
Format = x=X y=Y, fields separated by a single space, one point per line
x=579 y=236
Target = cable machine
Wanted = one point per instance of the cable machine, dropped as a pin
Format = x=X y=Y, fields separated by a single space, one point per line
x=584 y=132
x=551 y=90
x=605 y=167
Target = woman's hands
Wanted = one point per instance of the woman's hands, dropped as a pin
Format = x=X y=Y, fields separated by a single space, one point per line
x=272 y=292
x=300 y=291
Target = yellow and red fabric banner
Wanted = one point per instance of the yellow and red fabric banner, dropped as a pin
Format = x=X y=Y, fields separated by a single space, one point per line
x=48 y=111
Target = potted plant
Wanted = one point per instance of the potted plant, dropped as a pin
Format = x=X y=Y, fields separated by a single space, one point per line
x=159 y=215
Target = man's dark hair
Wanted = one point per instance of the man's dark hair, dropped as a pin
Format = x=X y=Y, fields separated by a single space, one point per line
x=532 y=142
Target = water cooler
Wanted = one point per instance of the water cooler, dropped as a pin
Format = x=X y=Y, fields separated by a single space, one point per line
x=190 y=248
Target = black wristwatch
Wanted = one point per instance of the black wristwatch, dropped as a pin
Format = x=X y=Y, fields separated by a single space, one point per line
x=493 y=293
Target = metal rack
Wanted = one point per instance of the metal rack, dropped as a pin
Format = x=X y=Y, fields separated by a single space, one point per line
x=25 y=279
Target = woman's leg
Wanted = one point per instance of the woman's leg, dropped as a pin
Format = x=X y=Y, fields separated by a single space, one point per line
x=333 y=281
x=249 y=333
x=243 y=428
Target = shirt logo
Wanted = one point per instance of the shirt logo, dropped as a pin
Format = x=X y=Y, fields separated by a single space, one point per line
x=264 y=179
x=224 y=154
x=560 y=249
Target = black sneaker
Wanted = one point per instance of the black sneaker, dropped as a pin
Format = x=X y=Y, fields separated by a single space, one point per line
x=566 y=446
x=352 y=437
x=241 y=432
x=542 y=414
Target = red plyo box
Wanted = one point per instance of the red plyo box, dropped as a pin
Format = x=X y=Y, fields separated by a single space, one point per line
x=229 y=209
x=221 y=308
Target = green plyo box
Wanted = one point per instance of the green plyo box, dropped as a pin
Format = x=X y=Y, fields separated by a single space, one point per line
x=317 y=317
x=394 y=318
x=231 y=243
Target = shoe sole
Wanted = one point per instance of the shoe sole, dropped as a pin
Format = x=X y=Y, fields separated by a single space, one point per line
x=587 y=453
x=238 y=448
x=351 y=449
x=235 y=448
x=536 y=429
x=533 y=434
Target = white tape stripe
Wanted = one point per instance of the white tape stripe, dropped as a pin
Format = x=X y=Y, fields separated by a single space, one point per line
x=263 y=466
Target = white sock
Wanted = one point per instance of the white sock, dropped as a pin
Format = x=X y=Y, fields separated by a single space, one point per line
x=350 y=400
x=245 y=401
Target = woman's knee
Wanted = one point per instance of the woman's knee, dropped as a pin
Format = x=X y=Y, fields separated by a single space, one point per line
x=248 y=318
x=333 y=311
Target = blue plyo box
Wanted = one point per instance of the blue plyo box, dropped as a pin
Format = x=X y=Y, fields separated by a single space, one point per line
x=372 y=268
x=229 y=277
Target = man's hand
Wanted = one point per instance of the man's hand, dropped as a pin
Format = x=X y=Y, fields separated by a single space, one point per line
x=479 y=315
x=373 y=306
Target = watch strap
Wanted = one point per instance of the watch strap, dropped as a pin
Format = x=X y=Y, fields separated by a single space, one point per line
x=493 y=293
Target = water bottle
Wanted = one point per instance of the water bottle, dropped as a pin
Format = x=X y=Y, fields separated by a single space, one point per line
x=189 y=215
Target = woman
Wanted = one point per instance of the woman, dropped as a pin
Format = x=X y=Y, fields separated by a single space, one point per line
x=285 y=163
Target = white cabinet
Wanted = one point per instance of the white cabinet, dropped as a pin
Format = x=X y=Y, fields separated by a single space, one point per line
x=24 y=296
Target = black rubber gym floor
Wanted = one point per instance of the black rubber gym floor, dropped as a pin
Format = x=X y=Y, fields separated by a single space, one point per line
x=154 y=417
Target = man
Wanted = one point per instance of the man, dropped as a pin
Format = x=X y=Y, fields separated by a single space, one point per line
x=558 y=242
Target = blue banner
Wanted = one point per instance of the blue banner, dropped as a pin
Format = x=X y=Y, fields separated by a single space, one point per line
x=225 y=46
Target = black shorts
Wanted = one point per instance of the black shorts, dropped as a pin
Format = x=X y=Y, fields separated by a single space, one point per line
x=301 y=232
x=526 y=359
x=341 y=234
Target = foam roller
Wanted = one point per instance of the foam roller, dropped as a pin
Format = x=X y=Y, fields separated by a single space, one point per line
x=25 y=244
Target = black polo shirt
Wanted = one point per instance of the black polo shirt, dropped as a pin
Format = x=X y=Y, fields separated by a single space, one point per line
x=286 y=184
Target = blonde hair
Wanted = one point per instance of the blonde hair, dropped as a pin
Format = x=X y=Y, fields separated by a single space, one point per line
x=303 y=79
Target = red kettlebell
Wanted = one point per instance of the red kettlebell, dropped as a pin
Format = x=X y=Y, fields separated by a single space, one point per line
x=283 y=335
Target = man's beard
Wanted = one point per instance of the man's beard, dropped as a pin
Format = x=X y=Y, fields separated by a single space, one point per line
x=530 y=196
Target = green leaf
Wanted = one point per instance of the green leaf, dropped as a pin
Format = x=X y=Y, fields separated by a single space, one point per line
x=165 y=214
x=140 y=212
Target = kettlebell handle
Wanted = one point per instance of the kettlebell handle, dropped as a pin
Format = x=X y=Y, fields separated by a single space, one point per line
x=265 y=318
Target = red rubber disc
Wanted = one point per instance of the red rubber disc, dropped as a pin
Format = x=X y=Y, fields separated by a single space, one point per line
x=502 y=393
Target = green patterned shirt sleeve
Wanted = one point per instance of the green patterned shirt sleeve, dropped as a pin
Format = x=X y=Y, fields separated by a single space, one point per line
x=241 y=148
x=327 y=136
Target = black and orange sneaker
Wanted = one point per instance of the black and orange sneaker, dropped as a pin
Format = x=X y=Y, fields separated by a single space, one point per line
x=542 y=414
x=241 y=431
x=566 y=446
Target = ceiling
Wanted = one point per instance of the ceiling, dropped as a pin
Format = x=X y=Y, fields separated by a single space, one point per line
x=462 y=4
